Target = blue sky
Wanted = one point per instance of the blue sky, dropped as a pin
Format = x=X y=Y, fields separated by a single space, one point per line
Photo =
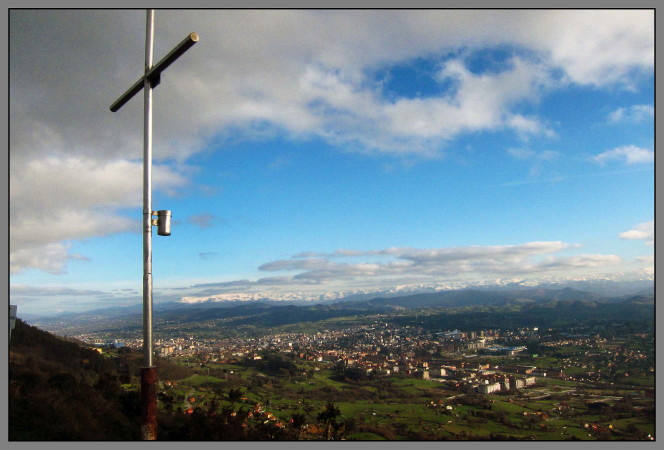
x=332 y=158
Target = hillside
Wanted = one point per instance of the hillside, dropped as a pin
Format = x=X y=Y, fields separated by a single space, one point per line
x=59 y=390
x=636 y=311
x=62 y=391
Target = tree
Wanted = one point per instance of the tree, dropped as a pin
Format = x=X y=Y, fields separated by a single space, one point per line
x=167 y=400
x=297 y=421
x=308 y=407
x=329 y=416
x=350 y=425
x=234 y=395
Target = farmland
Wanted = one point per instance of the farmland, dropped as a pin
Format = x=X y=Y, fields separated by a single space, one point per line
x=403 y=407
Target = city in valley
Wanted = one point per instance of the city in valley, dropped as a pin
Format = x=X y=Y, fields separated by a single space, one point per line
x=382 y=379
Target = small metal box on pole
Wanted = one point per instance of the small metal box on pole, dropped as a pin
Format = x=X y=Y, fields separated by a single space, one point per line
x=164 y=222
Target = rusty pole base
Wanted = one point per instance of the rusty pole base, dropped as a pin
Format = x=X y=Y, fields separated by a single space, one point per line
x=149 y=403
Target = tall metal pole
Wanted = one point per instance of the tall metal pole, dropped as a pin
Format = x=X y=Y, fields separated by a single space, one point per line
x=147 y=196
x=149 y=80
x=148 y=373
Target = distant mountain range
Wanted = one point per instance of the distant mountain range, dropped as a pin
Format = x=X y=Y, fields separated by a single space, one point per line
x=272 y=313
x=603 y=287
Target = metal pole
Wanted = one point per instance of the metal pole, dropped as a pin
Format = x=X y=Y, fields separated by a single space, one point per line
x=149 y=80
x=147 y=197
x=148 y=373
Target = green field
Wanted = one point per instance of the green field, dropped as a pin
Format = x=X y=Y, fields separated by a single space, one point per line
x=197 y=380
x=400 y=407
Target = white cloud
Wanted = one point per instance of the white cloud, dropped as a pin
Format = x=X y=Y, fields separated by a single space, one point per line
x=526 y=126
x=644 y=231
x=390 y=270
x=597 y=47
x=647 y=259
x=306 y=73
x=277 y=66
x=81 y=182
x=628 y=154
x=479 y=102
x=346 y=271
x=41 y=227
x=647 y=264
x=61 y=199
x=584 y=261
x=634 y=113
x=50 y=258
x=444 y=263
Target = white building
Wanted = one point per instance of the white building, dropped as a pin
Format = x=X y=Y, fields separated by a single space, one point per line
x=489 y=388
x=517 y=383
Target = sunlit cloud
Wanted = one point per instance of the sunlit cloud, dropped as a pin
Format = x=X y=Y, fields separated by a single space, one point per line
x=644 y=231
x=633 y=114
x=629 y=154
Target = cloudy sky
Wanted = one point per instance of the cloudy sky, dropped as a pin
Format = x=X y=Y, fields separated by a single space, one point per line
x=310 y=154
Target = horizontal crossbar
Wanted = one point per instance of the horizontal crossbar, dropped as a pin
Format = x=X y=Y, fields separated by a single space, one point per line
x=155 y=72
